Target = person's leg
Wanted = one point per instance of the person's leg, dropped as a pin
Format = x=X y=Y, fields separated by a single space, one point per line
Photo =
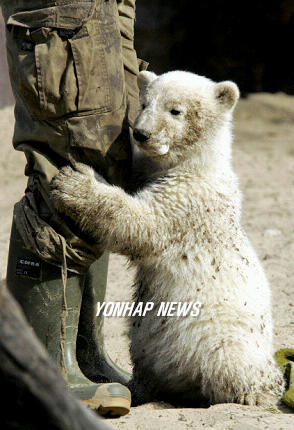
x=52 y=307
x=67 y=73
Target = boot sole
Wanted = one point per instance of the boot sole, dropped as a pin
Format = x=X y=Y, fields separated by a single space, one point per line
x=110 y=407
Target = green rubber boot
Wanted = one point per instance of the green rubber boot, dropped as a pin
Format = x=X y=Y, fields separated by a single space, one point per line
x=285 y=360
x=92 y=356
x=53 y=310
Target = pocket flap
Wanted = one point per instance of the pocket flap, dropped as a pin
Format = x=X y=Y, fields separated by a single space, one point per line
x=66 y=16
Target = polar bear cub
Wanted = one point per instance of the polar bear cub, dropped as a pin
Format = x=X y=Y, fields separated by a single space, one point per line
x=182 y=231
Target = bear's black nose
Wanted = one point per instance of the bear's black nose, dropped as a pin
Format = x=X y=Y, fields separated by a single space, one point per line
x=141 y=135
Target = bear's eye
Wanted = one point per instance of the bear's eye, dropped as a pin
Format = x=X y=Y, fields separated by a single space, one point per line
x=175 y=112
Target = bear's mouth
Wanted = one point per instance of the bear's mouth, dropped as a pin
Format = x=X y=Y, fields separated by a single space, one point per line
x=153 y=151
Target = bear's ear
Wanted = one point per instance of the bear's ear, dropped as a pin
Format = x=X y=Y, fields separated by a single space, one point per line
x=144 y=79
x=227 y=94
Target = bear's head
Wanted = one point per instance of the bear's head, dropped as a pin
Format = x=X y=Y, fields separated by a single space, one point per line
x=182 y=114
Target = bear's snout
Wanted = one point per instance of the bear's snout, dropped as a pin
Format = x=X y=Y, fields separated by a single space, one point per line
x=141 y=135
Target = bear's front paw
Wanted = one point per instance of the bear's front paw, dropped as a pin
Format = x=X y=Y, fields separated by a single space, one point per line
x=70 y=188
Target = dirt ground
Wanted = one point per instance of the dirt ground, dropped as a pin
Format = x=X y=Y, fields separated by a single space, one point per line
x=263 y=157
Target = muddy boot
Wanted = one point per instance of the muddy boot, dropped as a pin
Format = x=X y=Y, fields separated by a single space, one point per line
x=52 y=308
x=92 y=357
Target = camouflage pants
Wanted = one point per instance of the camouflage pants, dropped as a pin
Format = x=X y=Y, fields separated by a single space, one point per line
x=73 y=72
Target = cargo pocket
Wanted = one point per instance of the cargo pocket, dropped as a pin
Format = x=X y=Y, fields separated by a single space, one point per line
x=58 y=63
x=43 y=74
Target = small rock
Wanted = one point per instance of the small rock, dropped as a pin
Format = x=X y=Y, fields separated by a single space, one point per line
x=182 y=417
x=272 y=232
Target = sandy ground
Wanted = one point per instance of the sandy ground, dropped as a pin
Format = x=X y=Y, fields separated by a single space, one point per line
x=264 y=160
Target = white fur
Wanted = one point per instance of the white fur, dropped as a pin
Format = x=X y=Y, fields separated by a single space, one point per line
x=182 y=231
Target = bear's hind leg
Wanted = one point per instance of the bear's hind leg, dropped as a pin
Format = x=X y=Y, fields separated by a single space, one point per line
x=141 y=392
